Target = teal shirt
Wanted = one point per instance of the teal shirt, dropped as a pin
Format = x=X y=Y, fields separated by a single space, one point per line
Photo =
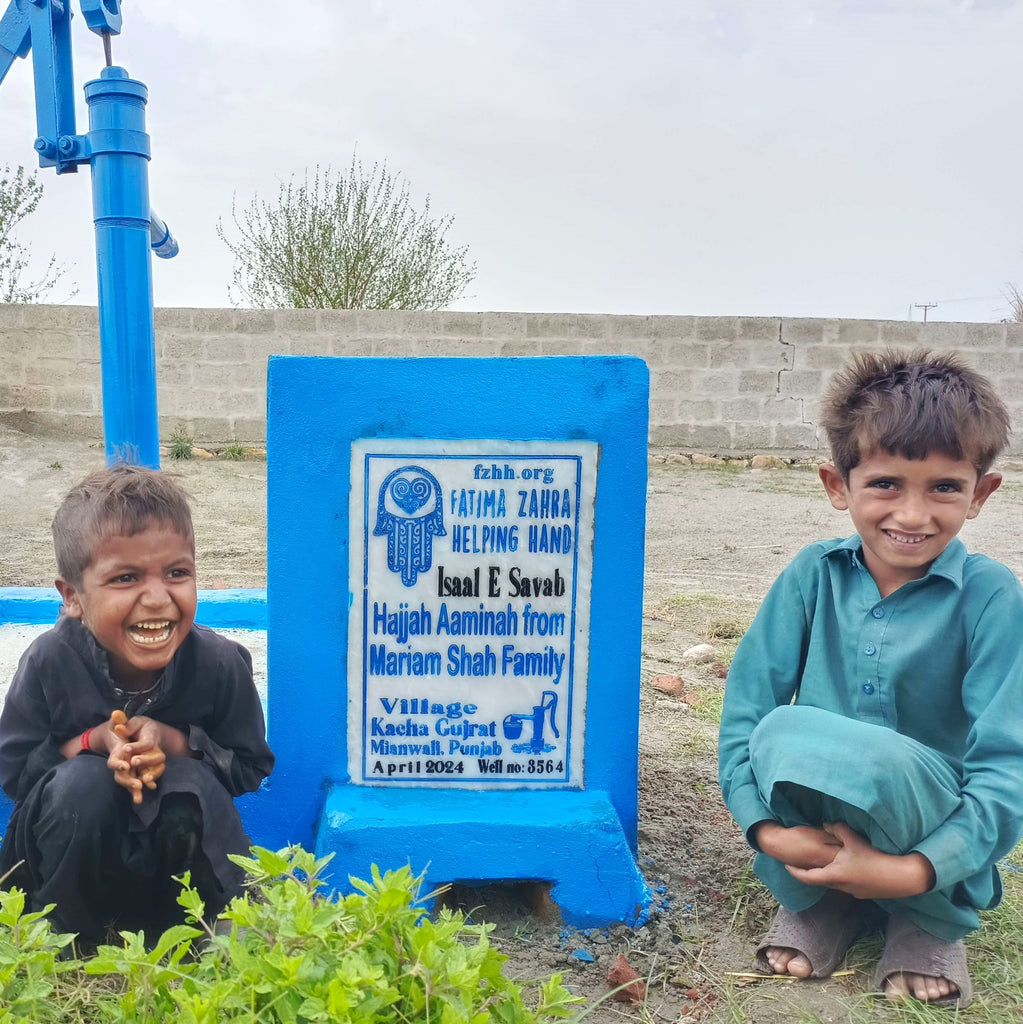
x=940 y=660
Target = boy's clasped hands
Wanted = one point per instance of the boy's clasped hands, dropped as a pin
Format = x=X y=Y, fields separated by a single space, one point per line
x=135 y=755
x=137 y=749
x=837 y=857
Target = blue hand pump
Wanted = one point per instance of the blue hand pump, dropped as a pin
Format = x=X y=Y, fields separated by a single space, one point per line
x=117 y=149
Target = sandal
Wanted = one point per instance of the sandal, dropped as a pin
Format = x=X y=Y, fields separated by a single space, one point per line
x=909 y=948
x=823 y=933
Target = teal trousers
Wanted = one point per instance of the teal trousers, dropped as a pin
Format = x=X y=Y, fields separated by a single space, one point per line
x=814 y=767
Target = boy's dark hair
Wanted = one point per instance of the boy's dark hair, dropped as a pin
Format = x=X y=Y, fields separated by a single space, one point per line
x=120 y=500
x=911 y=404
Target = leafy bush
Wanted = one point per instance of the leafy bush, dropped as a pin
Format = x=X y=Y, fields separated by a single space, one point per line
x=291 y=954
x=29 y=966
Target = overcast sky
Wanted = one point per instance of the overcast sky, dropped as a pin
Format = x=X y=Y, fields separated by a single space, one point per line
x=755 y=157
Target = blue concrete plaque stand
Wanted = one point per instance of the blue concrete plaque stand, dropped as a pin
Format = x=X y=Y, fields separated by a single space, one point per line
x=582 y=839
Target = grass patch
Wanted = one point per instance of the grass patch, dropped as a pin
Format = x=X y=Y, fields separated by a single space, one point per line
x=996 y=950
x=236 y=452
x=708 y=707
x=707 y=613
x=717 y=619
x=726 y=468
x=180 y=446
x=725 y=634
x=698 y=743
x=753 y=906
x=727 y=629
x=655 y=635
x=799 y=484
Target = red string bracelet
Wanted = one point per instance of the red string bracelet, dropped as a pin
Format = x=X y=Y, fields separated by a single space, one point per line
x=85 y=738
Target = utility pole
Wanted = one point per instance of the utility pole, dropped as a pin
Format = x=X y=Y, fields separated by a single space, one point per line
x=925 y=306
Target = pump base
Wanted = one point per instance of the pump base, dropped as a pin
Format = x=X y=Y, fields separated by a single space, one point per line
x=571 y=838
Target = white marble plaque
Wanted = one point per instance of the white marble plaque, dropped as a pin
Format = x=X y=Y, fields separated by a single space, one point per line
x=470 y=570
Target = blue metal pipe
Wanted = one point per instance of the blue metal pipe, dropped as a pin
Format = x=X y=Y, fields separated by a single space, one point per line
x=119 y=149
x=163 y=243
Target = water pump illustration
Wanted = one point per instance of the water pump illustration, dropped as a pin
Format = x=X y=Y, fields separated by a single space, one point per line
x=543 y=712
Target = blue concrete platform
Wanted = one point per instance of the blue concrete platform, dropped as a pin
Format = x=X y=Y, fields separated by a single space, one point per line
x=506 y=837
x=218 y=609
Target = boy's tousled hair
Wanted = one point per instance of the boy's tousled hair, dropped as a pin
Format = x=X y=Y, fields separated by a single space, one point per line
x=120 y=500
x=911 y=404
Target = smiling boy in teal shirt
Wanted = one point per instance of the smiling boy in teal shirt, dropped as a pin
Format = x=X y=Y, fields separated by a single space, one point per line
x=871 y=743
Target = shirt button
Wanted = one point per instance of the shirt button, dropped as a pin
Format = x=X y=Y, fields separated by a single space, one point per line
x=869 y=649
x=868 y=688
x=878 y=613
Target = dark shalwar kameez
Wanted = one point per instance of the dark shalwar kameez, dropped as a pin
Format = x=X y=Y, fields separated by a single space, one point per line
x=83 y=844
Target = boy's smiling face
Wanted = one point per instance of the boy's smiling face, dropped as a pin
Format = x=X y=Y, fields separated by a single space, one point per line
x=137 y=597
x=907 y=510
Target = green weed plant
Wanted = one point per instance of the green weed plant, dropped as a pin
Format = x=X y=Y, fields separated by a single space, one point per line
x=284 y=953
x=180 y=444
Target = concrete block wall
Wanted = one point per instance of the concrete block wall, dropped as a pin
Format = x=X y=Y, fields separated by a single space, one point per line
x=721 y=385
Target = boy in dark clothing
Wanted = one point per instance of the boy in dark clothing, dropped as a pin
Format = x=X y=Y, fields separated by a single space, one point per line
x=871 y=743
x=127 y=728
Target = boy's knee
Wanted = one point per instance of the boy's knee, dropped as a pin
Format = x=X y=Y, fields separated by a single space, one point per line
x=81 y=794
x=83 y=779
x=205 y=802
x=784 y=729
x=815 y=736
x=193 y=775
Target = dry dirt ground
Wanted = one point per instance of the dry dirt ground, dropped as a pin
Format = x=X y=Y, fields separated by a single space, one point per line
x=716 y=538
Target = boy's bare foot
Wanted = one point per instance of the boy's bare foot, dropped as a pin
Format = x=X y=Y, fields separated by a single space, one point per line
x=928 y=989
x=784 y=960
x=811 y=943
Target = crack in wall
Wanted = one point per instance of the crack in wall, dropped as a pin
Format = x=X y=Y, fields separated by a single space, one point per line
x=784 y=344
x=803 y=420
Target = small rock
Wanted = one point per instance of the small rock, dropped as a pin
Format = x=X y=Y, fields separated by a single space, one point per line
x=768 y=462
x=671 y=685
x=675 y=458
x=201 y=453
x=720 y=669
x=254 y=453
x=622 y=974
x=699 y=654
x=707 y=460
x=583 y=954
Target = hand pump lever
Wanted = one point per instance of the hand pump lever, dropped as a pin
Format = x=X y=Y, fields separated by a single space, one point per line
x=116 y=147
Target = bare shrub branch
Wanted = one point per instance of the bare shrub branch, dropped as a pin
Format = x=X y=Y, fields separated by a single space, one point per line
x=19 y=196
x=348 y=241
